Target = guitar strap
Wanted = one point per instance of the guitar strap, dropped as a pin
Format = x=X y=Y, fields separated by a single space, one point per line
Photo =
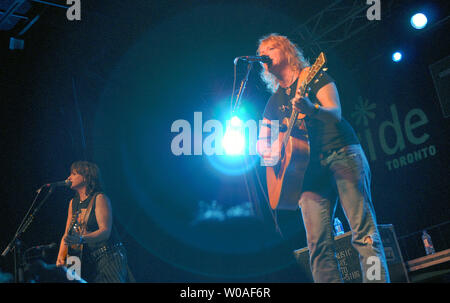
x=87 y=213
x=85 y=218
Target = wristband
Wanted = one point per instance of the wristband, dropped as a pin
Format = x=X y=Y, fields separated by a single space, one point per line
x=81 y=240
x=315 y=110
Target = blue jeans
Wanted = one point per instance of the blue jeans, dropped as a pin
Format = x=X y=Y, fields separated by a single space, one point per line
x=344 y=172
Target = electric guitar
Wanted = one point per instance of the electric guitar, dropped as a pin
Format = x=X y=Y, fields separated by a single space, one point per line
x=75 y=250
x=285 y=177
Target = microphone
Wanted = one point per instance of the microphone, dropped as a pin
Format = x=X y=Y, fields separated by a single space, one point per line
x=263 y=59
x=59 y=183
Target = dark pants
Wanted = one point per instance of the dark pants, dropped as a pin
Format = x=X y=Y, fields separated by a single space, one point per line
x=111 y=266
x=347 y=172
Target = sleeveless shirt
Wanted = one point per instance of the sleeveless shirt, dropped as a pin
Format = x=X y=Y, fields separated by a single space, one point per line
x=92 y=224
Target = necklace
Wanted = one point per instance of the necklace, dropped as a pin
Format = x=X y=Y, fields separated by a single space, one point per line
x=82 y=201
x=288 y=90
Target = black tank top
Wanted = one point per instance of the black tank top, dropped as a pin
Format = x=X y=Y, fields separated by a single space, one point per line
x=323 y=136
x=92 y=224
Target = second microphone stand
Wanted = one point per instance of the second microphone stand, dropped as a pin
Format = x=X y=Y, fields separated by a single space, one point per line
x=16 y=243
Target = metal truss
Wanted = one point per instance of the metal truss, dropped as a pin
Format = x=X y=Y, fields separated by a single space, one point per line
x=10 y=17
x=335 y=24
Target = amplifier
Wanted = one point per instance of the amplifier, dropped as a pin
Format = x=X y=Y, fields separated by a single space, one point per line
x=348 y=257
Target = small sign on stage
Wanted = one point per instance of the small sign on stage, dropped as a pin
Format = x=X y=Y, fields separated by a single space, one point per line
x=348 y=257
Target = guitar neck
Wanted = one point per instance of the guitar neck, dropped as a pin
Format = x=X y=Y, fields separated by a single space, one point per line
x=291 y=123
x=73 y=222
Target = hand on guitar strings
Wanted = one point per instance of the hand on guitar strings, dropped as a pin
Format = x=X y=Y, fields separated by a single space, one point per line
x=269 y=153
x=73 y=239
x=304 y=105
x=60 y=262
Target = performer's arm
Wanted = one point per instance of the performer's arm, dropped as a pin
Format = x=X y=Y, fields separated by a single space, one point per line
x=103 y=214
x=330 y=106
x=330 y=109
x=62 y=254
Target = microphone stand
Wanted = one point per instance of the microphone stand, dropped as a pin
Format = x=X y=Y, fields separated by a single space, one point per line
x=242 y=88
x=16 y=244
x=248 y=180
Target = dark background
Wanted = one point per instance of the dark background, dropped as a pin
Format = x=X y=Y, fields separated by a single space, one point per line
x=108 y=88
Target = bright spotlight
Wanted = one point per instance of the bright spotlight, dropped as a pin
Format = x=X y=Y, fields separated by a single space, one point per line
x=235 y=122
x=233 y=141
x=419 y=21
x=397 y=56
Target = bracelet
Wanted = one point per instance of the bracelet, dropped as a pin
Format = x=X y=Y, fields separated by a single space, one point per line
x=315 y=110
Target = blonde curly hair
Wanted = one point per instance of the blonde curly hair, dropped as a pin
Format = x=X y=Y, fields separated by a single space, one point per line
x=295 y=58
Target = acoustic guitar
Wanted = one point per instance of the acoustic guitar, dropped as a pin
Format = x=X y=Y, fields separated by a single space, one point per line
x=285 y=177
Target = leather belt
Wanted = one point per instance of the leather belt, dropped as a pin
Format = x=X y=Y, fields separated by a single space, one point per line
x=327 y=153
x=105 y=249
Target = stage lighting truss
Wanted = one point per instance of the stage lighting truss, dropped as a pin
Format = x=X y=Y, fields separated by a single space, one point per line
x=18 y=16
x=335 y=24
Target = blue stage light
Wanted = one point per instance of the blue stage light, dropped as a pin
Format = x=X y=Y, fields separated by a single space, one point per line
x=397 y=56
x=419 y=21
x=234 y=139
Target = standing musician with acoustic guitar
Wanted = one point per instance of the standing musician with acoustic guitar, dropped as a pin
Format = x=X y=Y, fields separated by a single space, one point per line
x=90 y=234
x=320 y=160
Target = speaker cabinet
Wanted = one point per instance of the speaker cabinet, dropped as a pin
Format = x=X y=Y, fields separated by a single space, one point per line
x=348 y=257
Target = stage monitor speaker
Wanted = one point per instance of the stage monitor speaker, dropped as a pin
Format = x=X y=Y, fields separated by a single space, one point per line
x=348 y=257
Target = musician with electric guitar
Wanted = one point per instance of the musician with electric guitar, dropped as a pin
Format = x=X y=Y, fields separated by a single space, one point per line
x=90 y=242
x=316 y=158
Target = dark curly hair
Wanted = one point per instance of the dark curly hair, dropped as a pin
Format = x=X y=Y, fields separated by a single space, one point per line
x=91 y=173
